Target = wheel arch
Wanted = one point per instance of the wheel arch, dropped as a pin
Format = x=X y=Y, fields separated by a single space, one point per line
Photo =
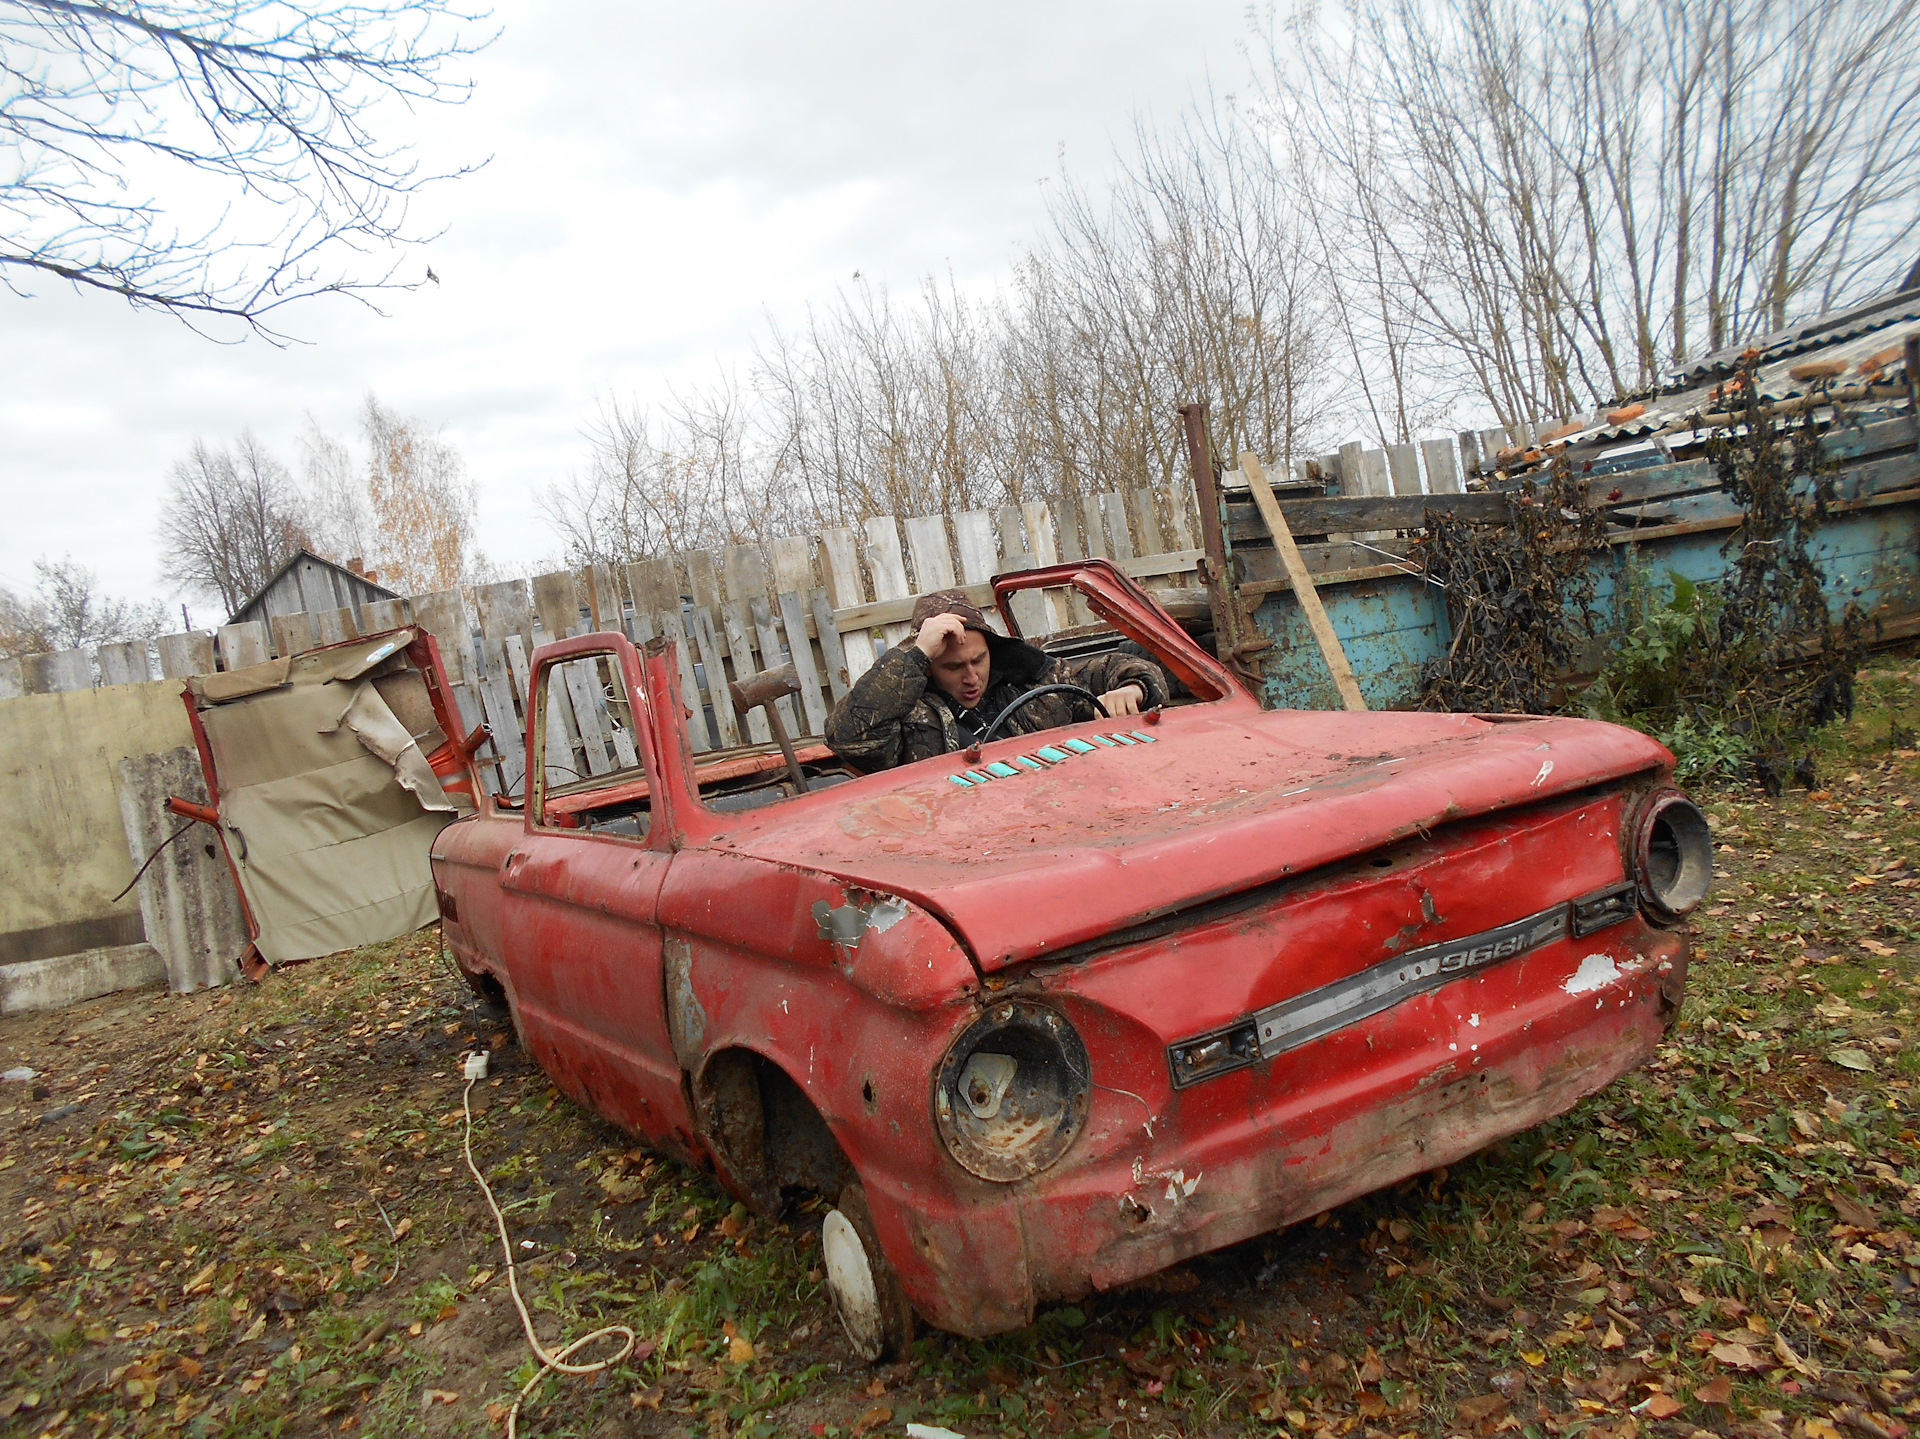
x=765 y=1131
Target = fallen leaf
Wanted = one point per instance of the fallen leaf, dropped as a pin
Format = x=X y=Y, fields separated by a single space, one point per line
x=479 y=1281
x=1879 y=1350
x=1787 y=1356
x=1736 y=1356
x=1885 y=951
x=872 y=1419
x=431 y=1397
x=877 y=1388
x=1614 y=1338
x=1852 y=1211
x=1484 y=1406
x=739 y=1351
x=1533 y=1357
x=1820 y=1429
x=1715 y=1391
x=1854 y=1059
x=1660 y=1406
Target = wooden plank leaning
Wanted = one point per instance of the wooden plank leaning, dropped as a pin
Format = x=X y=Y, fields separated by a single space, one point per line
x=767 y=637
x=583 y=689
x=793 y=616
x=832 y=653
x=707 y=642
x=1303 y=590
x=672 y=628
x=737 y=623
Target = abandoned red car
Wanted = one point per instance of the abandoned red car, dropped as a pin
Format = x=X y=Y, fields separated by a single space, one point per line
x=1054 y=1014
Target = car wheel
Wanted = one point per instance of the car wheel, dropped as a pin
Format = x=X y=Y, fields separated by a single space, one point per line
x=867 y=1294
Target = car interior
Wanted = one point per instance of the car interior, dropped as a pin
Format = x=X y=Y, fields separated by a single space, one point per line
x=593 y=779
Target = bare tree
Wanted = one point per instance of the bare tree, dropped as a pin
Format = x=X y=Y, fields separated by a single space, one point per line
x=1567 y=198
x=230 y=517
x=339 y=519
x=215 y=158
x=65 y=611
x=1188 y=277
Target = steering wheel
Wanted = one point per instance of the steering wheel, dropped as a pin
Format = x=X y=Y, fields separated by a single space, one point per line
x=1086 y=694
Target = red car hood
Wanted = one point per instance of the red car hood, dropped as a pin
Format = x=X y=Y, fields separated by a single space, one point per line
x=1225 y=798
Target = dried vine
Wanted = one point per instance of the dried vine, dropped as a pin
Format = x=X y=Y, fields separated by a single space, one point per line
x=1519 y=599
x=1745 y=670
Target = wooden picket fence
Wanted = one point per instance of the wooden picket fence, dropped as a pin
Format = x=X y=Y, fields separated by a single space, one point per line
x=828 y=603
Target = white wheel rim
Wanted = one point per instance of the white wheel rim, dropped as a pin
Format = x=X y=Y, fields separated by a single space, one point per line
x=850 y=1281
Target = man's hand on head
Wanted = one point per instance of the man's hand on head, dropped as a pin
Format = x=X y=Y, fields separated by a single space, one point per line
x=937 y=634
x=1124 y=701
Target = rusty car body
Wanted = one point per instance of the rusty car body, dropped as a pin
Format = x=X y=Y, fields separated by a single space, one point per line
x=1054 y=1015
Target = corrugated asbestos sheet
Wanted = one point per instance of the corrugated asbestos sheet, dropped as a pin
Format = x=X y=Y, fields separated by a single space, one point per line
x=1845 y=336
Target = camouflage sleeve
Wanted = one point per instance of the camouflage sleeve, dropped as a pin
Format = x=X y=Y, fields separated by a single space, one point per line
x=1109 y=672
x=867 y=726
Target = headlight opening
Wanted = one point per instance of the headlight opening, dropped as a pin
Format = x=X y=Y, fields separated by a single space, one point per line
x=1673 y=854
x=1012 y=1092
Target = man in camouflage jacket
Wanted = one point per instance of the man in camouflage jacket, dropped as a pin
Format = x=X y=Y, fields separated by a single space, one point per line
x=939 y=691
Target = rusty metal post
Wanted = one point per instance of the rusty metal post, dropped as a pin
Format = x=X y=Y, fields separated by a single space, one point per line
x=1229 y=622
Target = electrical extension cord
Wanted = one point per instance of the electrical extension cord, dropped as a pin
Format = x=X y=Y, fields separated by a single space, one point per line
x=556 y=1361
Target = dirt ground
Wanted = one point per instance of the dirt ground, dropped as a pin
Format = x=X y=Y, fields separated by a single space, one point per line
x=247 y=1212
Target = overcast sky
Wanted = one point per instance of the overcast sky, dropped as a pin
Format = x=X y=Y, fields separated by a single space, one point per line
x=663 y=178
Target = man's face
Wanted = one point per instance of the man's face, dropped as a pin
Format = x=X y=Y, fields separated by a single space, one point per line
x=961 y=669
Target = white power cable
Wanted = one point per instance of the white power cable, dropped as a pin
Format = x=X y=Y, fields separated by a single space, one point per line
x=556 y=1361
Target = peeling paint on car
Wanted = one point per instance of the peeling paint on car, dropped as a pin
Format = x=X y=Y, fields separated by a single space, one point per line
x=1596 y=971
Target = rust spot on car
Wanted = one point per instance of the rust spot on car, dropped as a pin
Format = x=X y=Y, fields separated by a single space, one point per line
x=686 y=1019
x=889 y=815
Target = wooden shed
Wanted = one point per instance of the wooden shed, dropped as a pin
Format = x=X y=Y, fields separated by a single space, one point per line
x=307 y=584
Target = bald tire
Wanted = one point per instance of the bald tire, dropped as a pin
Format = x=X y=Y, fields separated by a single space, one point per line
x=867 y=1294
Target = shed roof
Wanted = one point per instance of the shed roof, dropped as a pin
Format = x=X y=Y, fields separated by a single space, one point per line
x=1847 y=337
x=306 y=583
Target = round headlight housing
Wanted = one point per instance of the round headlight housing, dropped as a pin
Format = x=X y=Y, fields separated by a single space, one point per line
x=1672 y=854
x=1012 y=1092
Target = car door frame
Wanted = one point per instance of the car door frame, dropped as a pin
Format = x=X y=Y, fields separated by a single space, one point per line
x=582 y=923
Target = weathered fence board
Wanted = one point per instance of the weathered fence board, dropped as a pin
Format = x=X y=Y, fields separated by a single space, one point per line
x=443 y=614
x=707 y=643
x=792 y=563
x=932 y=561
x=125 y=664
x=241 y=645
x=794 y=617
x=378 y=615
x=889 y=568
x=188 y=905
x=738 y=624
